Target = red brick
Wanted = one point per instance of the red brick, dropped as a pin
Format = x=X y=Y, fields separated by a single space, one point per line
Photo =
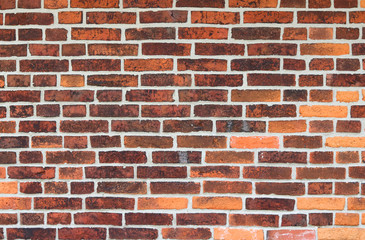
x=210 y=17
x=140 y=65
x=263 y=110
x=161 y=172
x=54 y=218
x=29 y=19
x=96 y=218
x=30 y=157
x=113 y=49
x=326 y=17
x=214 y=172
x=175 y=188
x=7 y=4
x=122 y=157
x=111 y=17
x=147 y=142
x=186 y=233
x=176 y=157
x=109 y=172
x=57 y=203
x=293 y=3
x=13 y=50
x=133 y=233
x=73 y=50
x=201 y=3
x=31 y=233
x=112 y=80
x=219 y=49
x=218 y=80
x=347 y=33
x=172 y=16
x=94 y=4
x=106 y=34
x=319 y=3
x=135 y=126
x=293 y=189
x=321 y=64
x=262 y=33
x=31 y=187
x=321 y=173
x=82 y=187
x=156 y=33
x=166 y=111
x=74 y=157
x=7 y=34
x=30 y=34
x=174 y=49
x=44 y=66
x=105 y=141
x=227 y=187
x=267 y=17
x=147 y=4
x=263 y=220
x=253 y=3
x=294 y=220
x=82 y=233
x=150 y=95
x=267 y=172
x=270 y=204
x=122 y=188
x=255 y=64
x=165 y=80
x=203 y=33
x=148 y=219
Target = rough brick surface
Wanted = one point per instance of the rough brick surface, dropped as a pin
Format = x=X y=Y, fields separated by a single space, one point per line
x=182 y=119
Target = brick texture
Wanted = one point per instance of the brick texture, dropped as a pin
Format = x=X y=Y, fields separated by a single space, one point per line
x=182 y=119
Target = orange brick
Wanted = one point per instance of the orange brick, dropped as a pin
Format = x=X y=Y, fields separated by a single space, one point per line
x=362 y=3
x=321 y=203
x=254 y=3
x=363 y=95
x=356 y=203
x=2 y=172
x=72 y=81
x=148 y=65
x=347 y=219
x=224 y=203
x=69 y=17
x=357 y=142
x=55 y=4
x=323 y=111
x=320 y=33
x=256 y=96
x=363 y=219
x=162 y=203
x=71 y=173
x=254 y=142
x=341 y=233
x=238 y=234
x=291 y=234
x=287 y=126
x=15 y=203
x=347 y=96
x=323 y=49
x=229 y=157
x=8 y=187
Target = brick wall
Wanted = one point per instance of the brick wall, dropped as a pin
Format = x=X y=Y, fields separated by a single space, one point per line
x=182 y=119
